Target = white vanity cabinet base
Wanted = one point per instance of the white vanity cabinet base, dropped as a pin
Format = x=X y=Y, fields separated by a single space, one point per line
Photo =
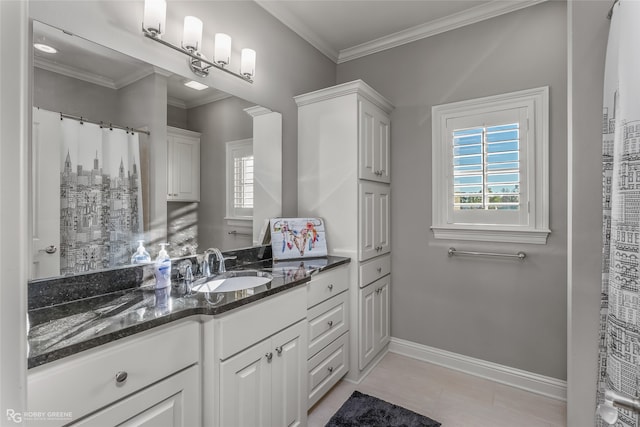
x=327 y=367
x=374 y=332
x=86 y=382
x=264 y=385
x=173 y=402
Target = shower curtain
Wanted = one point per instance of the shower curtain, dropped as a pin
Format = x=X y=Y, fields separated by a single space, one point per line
x=619 y=357
x=100 y=192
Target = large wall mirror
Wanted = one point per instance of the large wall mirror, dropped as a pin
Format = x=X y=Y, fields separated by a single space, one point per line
x=96 y=189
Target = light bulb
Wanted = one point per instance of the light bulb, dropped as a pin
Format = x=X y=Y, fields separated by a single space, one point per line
x=222 y=51
x=192 y=33
x=248 y=63
x=155 y=16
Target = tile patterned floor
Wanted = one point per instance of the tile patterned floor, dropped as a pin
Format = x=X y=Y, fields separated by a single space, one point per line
x=453 y=398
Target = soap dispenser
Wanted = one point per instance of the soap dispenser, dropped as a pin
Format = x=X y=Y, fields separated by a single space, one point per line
x=141 y=256
x=162 y=268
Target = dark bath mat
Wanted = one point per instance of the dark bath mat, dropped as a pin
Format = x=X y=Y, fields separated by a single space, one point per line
x=364 y=410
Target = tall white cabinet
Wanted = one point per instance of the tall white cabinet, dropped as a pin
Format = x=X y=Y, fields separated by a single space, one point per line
x=344 y=177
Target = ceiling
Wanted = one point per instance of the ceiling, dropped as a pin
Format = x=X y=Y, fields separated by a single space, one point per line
x=348 y=29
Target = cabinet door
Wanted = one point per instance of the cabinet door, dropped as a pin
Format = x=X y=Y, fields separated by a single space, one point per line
x=183 y=169
x=375 y=227
x=288 y=377
x=172 y=402
x=245 y=387
x=373 y=144
x=381 y=327
x=366 y=334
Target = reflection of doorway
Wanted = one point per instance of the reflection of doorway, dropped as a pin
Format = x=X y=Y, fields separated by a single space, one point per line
x=45 y=176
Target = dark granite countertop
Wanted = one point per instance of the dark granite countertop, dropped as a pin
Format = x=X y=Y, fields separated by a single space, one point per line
x=71 y=326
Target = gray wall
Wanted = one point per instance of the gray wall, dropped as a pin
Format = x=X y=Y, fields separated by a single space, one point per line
x=218 y=122
x=56 y=92
x=176 y=117
x=499 y=310
x=590 y=28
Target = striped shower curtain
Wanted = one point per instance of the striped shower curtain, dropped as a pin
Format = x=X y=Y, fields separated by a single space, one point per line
x=619 y=357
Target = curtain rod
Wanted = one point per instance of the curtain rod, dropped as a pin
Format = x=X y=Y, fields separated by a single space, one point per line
x=102 y=124
x=610 y=14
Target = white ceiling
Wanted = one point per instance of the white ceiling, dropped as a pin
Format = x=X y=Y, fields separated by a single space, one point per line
x=348 y=29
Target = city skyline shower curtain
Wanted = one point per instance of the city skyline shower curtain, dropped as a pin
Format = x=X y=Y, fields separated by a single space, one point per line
x=98 y=170
x=619 y=330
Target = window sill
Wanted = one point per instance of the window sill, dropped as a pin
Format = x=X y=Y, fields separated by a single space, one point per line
x=488 y=234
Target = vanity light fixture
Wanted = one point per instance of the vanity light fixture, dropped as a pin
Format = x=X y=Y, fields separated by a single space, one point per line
x=153 y=25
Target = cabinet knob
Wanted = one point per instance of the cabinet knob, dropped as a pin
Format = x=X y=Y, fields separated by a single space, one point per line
x=330 y=287
x=379 y=269
x=330 y=323
x=330 y=369
x=269 y=356
x=378 y=290
x=279 y=350
x=121 y=377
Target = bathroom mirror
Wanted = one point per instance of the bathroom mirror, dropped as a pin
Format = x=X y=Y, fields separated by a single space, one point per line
x=96 y=189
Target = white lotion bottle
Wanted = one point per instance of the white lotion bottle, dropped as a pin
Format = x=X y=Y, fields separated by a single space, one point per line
x=162 y=268
x=141 y=256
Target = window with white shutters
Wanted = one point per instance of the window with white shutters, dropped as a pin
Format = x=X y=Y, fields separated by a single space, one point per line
x=490 y=168
x=240 y=179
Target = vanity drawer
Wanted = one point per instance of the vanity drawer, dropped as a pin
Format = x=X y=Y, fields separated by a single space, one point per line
x=86 y=382
x=327 y=321
x=327 y=367
x=238 y=329
x=326 y=284
x=371 y=271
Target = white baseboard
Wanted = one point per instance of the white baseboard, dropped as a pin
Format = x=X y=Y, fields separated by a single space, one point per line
x=529 y=381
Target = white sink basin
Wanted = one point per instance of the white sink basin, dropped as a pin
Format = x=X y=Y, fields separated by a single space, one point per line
x=233 y=281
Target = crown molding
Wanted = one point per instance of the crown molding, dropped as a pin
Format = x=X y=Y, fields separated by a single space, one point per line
x=297 y=26
x=431 y=28
x=357 y=86
x=65 y=70
x=96 y=79
x=185 y=105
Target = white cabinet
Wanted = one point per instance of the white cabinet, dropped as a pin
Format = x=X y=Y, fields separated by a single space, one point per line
x=374 y=149
x=262 y=385
x=328 y=330
x=375 y=228
x=255 y=363
x=373 y=334
x=344 y=177
x=136 y=378
x=183 y=165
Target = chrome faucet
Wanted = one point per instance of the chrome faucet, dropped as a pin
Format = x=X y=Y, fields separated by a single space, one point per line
x=206 y=265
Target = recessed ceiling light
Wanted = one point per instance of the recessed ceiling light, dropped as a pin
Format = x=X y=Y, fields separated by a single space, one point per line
x=45 y=48
x=196 y=85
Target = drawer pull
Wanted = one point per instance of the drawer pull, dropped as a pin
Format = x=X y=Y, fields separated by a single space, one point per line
x=330 y=369
x=279 y=350
x=330 y=323
x=379 y=269
x=330 y=286
x=269 y=356
x=378 y=290
x=121 y=377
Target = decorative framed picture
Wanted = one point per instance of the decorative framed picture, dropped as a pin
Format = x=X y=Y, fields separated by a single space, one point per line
x=296 y=238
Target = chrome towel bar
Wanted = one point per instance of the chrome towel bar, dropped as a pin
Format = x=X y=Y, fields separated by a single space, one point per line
x=520 y=255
